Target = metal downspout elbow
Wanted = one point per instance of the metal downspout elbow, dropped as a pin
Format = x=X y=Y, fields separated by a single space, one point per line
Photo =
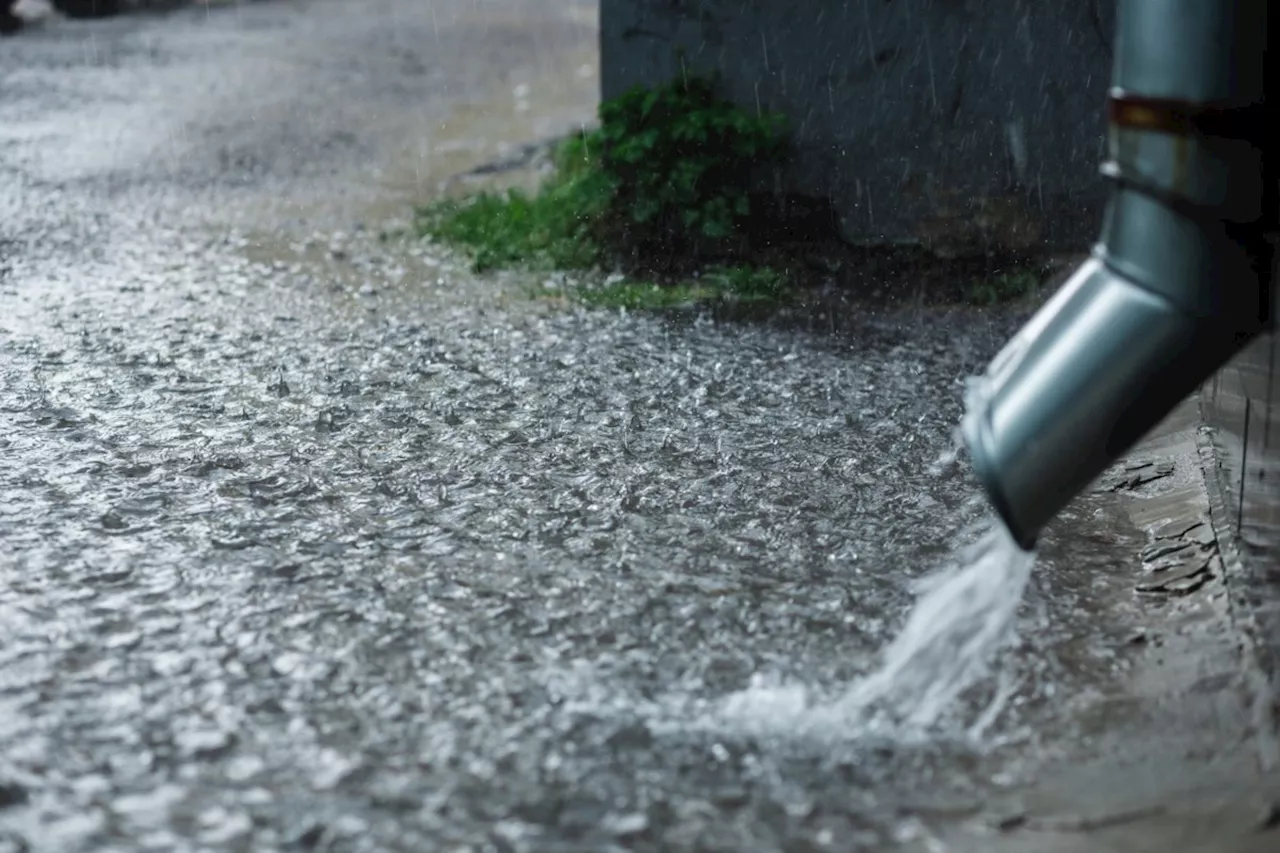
x=1178 y=282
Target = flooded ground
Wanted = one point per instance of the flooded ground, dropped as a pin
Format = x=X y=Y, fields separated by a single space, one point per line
x=313 y=540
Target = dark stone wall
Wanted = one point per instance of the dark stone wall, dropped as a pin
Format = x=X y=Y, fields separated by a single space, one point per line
x=956 y=123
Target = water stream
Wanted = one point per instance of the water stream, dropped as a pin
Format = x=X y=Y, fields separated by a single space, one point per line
x=965 y=612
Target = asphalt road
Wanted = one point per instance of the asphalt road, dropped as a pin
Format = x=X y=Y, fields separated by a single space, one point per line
x=313 y=540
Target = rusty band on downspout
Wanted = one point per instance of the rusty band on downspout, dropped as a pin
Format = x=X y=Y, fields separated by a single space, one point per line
x=1187 y=118
x=1247 y=121
x=1183 y=120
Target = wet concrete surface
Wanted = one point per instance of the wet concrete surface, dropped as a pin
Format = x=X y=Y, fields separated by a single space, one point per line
x=313 y=540
x=1241 y=445
x=1180 y=754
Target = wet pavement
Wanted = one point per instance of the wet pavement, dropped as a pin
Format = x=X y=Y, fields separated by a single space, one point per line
x=313 y=540
x=1240 y=404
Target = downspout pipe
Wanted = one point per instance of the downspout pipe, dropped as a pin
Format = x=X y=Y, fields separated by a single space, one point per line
x=1179 y=280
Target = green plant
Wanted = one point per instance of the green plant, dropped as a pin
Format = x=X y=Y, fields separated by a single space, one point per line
x=741 y=283
x=748 y=283
x=668 y=171
x=1003 y=287
x=551 y=229
x=643 y=295
x=679 y=160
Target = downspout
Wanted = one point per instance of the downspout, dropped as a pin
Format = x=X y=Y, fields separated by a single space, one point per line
x=1179 y=280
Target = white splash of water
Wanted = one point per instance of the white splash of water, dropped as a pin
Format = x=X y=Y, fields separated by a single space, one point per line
x=966 y=611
